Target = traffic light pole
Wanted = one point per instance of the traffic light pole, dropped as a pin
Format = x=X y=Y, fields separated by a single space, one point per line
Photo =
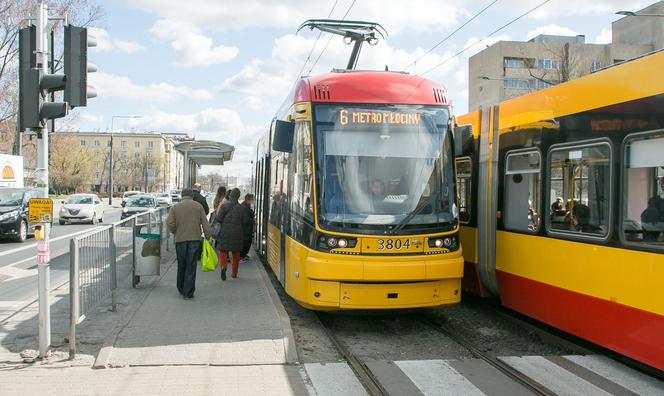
x=42 y=187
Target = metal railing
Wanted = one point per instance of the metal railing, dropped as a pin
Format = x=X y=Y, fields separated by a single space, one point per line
x=99 y=258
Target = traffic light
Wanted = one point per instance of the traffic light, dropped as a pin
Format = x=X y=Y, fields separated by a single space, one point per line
x=77 y=67
x=34 y=84
x=27 y=59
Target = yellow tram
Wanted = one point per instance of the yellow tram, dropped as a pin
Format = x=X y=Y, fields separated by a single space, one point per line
x=562 y=206
x=356 y=204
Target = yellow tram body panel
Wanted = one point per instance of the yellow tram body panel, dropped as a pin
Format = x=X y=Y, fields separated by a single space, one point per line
x=598 y=271
x=321 y=280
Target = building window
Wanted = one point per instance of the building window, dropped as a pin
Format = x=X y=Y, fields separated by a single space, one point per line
x=137 y=155
x=108 y=144
x=522 y=209
x=97 y=143
x=580 y=189
x=515 y=83
x=643 y=190
x=464 y=184
x=148 y=155
x=137 y=144
x=82 y=143
x=150 y=145
x=596 y=65
x=546 y=84
x=549 y=64
x=123 y=144
x=515 y=63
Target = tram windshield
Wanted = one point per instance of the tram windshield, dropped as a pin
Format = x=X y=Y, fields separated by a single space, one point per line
x=384 y=167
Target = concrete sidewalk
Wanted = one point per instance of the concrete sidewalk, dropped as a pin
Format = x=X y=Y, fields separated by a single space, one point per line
x=236 y=322
x=234 y=337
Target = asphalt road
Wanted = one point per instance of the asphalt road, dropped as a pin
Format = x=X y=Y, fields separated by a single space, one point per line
x=18 y=262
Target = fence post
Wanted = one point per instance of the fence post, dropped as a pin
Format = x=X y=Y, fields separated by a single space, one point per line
x=73 y=295
x=113 y=267
x=133 y=251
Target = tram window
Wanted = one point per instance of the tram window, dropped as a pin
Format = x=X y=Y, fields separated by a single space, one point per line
x=643 y=210
x=522 y=209
x=464 y=183
x=580 y=189
x=301 y=202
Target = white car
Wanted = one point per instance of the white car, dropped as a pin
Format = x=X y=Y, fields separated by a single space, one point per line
x=163 y=199
x=137 y=204
x=83 y=208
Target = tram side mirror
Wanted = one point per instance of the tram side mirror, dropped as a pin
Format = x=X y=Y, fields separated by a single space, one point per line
x=283 y=136
x=463 y=140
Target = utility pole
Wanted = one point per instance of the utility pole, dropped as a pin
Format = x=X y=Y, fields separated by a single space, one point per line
x=110 y=172
x=42 y=187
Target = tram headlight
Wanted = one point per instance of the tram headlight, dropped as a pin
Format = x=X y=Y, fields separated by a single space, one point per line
x=328 y=243
x=449 y=242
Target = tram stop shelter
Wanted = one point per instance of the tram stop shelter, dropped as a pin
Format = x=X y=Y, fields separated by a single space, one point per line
x=197 y=153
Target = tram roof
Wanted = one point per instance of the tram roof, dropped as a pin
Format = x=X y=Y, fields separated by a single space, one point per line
x=356 y=86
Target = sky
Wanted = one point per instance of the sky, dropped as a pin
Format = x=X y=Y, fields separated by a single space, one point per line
x=219 y=69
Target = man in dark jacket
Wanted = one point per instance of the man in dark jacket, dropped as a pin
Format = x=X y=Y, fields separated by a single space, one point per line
x=248 y=228
x=198 y=197
x=186 y=220
x=232 y=218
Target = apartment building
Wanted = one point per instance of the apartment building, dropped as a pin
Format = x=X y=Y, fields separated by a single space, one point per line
x=509 y=69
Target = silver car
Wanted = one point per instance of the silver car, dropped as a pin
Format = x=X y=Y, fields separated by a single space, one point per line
x=163 y=199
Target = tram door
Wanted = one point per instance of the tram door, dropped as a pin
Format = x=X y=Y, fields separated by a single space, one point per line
x=487 y=202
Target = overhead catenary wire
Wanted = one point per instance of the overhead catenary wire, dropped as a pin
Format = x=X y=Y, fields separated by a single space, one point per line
x=466 y=48
x=330 y=40
x=438 y=44
x=315 y=42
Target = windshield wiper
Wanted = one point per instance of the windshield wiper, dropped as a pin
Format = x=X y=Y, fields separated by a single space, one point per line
x=419 y=208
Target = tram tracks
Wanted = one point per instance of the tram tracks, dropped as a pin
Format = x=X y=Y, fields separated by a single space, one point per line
x=501 y=366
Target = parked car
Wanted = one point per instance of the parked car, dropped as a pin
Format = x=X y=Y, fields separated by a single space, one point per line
x=82 y=207
x=127 y=194
x=176 y=195
x=163 y=199
x=139 y=204
x=14 y=204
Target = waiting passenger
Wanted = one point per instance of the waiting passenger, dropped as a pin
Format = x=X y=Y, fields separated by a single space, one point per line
x=652 y=220
x=581 y=219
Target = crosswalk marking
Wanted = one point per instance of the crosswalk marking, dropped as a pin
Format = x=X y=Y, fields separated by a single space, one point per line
x=552 y=376
x=436 y=377
x=563 y=375
x=620 y=374
x=334 y=379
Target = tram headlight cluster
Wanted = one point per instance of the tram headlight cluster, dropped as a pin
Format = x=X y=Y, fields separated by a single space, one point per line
x=447 y=242
x=326 y=243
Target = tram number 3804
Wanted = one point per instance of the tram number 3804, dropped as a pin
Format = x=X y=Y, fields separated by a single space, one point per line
x=393 y=244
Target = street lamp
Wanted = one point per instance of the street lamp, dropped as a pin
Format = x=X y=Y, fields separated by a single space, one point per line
x=634 y=13
x=110 y=164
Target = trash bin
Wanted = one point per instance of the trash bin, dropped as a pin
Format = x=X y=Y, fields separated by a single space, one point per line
x=147 y=251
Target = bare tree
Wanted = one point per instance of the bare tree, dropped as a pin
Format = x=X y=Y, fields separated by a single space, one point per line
x=71 y=165
x=12 y=17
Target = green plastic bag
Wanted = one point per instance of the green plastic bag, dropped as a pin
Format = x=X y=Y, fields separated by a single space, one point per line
x=209 y=258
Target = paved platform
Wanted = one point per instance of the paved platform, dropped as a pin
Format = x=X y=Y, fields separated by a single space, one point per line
x=234 y=322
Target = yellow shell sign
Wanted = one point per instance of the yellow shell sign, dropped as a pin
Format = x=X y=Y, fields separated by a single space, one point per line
x=8 y=172
x=40 y=210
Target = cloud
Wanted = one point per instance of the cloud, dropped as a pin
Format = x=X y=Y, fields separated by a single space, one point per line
x=111 y=85
x=555 y=9
x=396 y=16
x=105 y=43
x=605 y=37
x=97 y=119
x=218 y=124
x=551 y=29
x=192 y=48
x=260 y=81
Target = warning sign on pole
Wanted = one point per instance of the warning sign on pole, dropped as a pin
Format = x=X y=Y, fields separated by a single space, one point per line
x=40 y=210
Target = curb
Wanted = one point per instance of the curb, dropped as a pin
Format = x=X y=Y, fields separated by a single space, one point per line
x=284 y=319
x=104 y=354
